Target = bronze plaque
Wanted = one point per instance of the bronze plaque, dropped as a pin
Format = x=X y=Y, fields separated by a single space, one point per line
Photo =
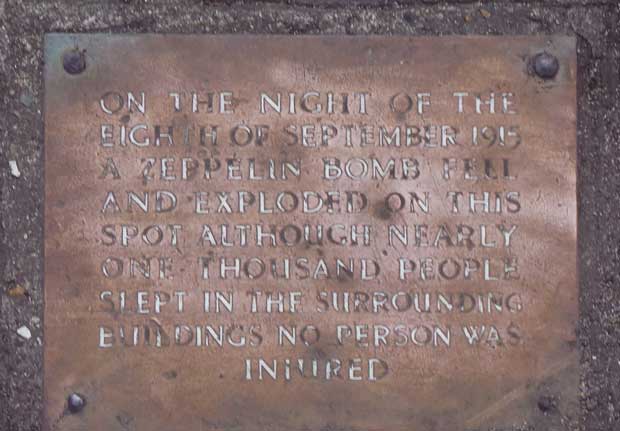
x=309 y=233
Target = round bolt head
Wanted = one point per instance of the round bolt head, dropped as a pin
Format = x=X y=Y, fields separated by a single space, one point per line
x=74 y=61
x=76 y=402
x=546 y=65
x=546 y=404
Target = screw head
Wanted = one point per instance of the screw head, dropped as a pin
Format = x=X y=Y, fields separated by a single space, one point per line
x=546 y=404
x=76 y=402
x=74 y=61
x=546 y=65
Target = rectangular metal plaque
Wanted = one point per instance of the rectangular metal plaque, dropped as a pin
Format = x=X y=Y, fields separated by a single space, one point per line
x=309 y=233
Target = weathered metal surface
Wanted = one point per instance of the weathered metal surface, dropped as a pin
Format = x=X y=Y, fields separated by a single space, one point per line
x=205 y=387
